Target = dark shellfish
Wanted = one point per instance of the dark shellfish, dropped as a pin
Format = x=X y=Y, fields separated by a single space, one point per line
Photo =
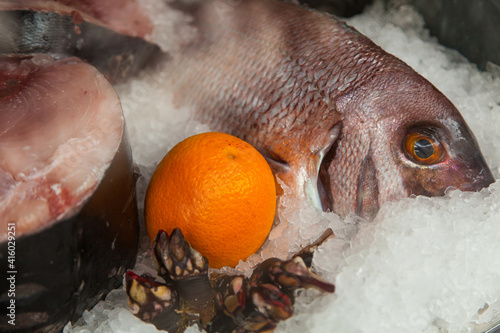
x=184 y=294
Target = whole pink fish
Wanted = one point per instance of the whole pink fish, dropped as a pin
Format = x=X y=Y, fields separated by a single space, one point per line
x=340 y=120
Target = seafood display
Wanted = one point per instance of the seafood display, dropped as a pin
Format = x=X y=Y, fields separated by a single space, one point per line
x=341 y=121
x=442 y=247
x=67 y=188
x=344 y=124
x=184 y=294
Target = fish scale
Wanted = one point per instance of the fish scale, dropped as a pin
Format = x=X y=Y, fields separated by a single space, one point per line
x=333 y=110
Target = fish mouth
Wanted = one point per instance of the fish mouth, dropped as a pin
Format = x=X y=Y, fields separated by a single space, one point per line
x=476 y=176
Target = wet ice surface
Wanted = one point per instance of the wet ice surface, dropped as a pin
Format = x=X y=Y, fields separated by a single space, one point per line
x=423 y=265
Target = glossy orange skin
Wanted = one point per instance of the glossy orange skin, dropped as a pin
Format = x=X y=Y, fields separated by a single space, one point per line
x=219 y=191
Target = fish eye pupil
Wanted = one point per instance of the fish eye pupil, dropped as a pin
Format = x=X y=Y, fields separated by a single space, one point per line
x=423 y=148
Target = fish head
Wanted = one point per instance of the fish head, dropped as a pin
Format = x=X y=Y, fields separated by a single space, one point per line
x=405 y=138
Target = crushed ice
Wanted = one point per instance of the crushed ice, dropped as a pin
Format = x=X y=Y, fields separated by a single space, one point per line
x=423 y=265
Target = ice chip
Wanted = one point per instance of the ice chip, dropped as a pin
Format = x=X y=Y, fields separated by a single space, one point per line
x=68 y=328
x=172 y=27
x=88 y=317
x=193 y=329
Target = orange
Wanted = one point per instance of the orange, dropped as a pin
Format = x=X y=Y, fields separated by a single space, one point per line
x=220 y=191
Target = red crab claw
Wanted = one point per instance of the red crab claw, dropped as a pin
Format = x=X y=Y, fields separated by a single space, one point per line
x=177 y=257
x=294 y=274
x=271 y=302
x=147 y=298
x=231 y=292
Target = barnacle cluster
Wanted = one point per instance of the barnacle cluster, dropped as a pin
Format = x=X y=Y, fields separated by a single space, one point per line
x=218 y=302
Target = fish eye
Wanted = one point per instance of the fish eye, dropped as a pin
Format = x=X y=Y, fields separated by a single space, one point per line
x=423 y=149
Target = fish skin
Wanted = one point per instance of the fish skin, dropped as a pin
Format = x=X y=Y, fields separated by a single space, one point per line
x=327 y=107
